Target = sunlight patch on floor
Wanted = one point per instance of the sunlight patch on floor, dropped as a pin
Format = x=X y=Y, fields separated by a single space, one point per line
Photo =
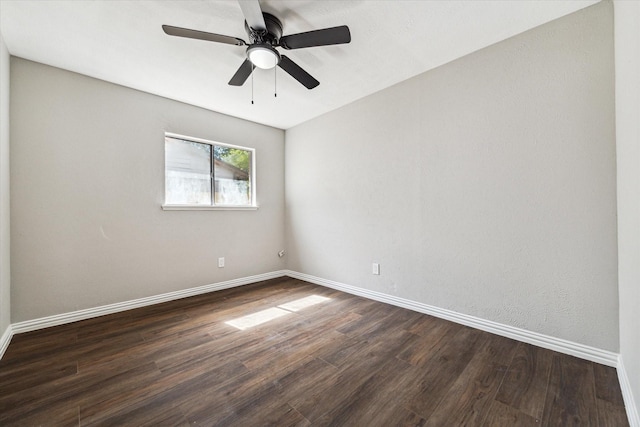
x=264 y=316
x=257 y=318
x=305 y=302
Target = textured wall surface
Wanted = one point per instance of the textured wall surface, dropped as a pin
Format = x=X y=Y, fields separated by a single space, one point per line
x=486 y=186
x=87 y=179
x=5 y=249
x=627 y=45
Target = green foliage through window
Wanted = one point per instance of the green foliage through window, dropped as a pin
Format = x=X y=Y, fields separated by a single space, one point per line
x=233 y=156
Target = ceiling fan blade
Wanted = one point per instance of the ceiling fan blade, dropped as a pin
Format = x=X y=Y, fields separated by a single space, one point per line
x=324 y=37
x=253 y=14
x=201 y=35
x=297 y=73
x=242 y=74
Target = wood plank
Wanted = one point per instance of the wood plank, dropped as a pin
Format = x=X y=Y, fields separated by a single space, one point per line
x=607 y=385
x=218 y=381
x=266 y=406
x=240 y=396
x=153 y=413
x=402 y=417
x=35 y=374
x=467 y=401
x=281 y=415
x=290 y=351
x=571 y=396
x=610 y=415
x=342 y=352
x=422 y=347
x=423 y=323
x=610 y=403
x=140 y=353
x=374 y=401
x=525 y=384
x=164 y=393
x=426 y=390
x=64 y=414
x=38 y=345
x=501 y=415
x=71 y=390
x=359 y=367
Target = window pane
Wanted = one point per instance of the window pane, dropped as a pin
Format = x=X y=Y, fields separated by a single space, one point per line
x=187 y=172
x=232 y=173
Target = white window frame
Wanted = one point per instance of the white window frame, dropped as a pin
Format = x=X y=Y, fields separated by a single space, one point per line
x=213 y=207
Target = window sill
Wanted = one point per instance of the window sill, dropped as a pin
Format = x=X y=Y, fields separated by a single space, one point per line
x=207 y=208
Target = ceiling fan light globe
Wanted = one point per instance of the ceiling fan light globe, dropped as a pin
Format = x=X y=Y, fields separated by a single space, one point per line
x=263 y=56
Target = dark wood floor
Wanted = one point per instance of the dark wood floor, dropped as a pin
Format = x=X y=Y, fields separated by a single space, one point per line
x=342 y=361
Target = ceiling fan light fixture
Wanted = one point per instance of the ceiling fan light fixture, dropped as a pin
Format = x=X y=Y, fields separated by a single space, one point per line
x=263 y=56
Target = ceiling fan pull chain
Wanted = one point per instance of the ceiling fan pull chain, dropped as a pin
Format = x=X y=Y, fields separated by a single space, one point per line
x=275 y=83
x=252 y=73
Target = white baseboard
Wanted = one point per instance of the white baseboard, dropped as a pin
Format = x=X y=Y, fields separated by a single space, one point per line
x=5 y=340
x=627 y=395
x=74 y=316
x=557 y=344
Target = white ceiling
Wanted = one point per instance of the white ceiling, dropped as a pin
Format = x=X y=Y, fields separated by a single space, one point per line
x=122 y=42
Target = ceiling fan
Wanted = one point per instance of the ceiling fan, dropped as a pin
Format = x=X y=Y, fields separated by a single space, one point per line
x=265 y=34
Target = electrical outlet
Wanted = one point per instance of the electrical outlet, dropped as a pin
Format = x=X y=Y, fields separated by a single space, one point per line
x=376 y=268
x=221 y=262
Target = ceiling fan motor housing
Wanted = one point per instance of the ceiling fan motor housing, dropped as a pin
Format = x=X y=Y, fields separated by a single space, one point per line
x=271 y=35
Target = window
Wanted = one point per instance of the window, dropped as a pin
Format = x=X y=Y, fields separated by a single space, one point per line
x=205 y=174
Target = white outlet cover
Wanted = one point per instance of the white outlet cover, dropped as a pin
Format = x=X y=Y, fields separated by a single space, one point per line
x=376 y=268
x=221 y=262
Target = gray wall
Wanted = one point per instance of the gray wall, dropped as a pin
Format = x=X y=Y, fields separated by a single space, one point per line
x=87 y=180
x=627 y=36
x=5 y=250
x=486 y=186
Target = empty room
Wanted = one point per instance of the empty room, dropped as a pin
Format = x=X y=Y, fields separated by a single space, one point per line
x=304 y=213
